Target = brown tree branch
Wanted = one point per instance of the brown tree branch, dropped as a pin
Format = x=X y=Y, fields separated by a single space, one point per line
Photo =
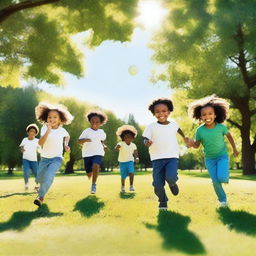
x=10 y=10
x=237 y=125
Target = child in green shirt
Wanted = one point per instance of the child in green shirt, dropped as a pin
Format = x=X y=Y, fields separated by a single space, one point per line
x=212 y=111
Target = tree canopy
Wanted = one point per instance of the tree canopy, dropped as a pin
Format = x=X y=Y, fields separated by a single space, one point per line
x=208 y=46
x=40 y=45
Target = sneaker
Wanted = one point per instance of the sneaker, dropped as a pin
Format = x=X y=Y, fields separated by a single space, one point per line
x=132 y=188
x=26 y=186
x=163 y=206
x=122 y=189
x=174 y=189
x=223 y=204
x=93 y=189
x=38 y=201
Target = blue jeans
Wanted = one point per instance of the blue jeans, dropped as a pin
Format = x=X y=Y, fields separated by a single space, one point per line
x=219 y=173
x=47 y=170
x=164 y=170
x=27 y=166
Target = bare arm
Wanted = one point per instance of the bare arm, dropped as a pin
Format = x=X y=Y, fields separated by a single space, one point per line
x=136 y=155
x=45 y=136
x=117 y=147
x=147 y=142
x=66 y=141
x=232 y=143
x=186 y=139
x=82 y=141
x=22 y=149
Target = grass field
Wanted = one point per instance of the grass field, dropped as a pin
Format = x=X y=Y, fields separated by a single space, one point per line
x=72 y=222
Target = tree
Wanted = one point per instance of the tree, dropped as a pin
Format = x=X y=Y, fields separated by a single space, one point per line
x=17 y=110
x=209 y=47
x=110 y=158
x=40 y=45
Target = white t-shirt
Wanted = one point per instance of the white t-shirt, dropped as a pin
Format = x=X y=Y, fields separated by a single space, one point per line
x=30 y=147
x=53 y=146
x=165 y=144
x=95 y=147
x=126 y=152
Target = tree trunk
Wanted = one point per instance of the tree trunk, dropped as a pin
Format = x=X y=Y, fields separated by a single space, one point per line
x=10 y=170
x=248 y=154
x=70 y=166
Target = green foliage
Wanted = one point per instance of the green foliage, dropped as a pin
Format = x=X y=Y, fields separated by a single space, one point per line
x=40 y=45
x=16 y=112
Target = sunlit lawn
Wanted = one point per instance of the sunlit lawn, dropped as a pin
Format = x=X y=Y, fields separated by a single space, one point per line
x=72 y=222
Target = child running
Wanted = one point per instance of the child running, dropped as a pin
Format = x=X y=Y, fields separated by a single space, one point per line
x=53 y=136
x=29 y=147
x=127 y=153
x=161 y=139
x=93 y=148
x=212 y=111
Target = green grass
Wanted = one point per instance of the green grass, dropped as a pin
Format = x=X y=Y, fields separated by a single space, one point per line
x=73 y=222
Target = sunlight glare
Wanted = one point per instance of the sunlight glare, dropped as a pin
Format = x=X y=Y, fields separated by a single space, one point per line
x=151 y=14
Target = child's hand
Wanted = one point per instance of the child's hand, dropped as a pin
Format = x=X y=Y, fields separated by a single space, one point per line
x=49 y=126
x=148 y=143
x=67 y=148
x=190 y=143
x=22 y=149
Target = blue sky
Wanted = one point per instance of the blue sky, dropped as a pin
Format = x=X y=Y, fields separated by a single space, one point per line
x=108 y=83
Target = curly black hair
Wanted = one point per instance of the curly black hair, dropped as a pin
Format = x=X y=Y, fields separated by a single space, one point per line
x=164 y=101
x=42 y=110
x=220 y=106
x=102 y=116
x=127 y=132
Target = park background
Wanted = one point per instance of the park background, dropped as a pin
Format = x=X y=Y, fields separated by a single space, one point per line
x=118 y=56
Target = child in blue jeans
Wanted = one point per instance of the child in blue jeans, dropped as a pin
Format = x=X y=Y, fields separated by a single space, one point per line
x=161 y=139
x=127 y=153
x=212 y=111
x=29 y=147
x=53 y=136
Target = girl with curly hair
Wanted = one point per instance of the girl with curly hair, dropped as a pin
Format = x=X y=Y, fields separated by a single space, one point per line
x=93 y=148
x=213 y=111
x=127 y=153
x=53 y=135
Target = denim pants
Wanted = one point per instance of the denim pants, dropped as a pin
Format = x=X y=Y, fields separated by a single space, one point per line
x=164 y=170
x=219 y=173
x=27 y=166
x=47 y=170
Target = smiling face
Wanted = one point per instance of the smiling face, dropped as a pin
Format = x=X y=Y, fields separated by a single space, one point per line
x=161 y=112
x=208 y=116
x=53 y=119
x=95 y=122
x=31 y=133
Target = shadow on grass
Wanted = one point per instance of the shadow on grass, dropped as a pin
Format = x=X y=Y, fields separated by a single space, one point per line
x=20 y=220
x=89 y=206
x=18 y=194
x=240 y=221
x=124 y=195
x=176 y=236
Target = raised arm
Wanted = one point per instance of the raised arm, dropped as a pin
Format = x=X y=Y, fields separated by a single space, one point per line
x=45 y=136
x=232 y=143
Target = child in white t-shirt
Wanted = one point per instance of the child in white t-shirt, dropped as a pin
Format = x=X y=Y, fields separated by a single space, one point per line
x=127 y=153
x=93 y=148
x=53 y=136
x=29 y=147
x=161 y=139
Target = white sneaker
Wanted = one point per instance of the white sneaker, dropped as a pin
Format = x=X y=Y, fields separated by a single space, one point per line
x=93 y=189
x=223 y=204
x=122 y=189
x=26 y=186
x=132 y=188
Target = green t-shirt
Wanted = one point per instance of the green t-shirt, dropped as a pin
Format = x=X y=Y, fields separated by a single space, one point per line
x=212 y=140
